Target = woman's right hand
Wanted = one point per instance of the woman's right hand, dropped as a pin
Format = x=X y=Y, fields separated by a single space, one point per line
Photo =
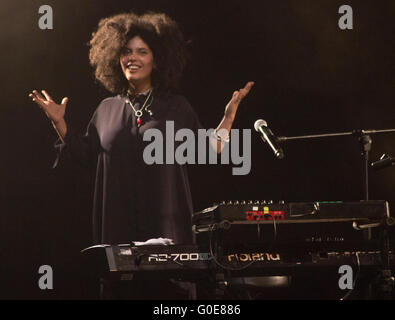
x=55 y=112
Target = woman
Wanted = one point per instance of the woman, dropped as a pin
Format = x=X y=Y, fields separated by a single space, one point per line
x=140 y=59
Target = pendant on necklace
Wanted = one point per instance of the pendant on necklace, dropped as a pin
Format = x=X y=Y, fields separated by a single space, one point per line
x=138 y=115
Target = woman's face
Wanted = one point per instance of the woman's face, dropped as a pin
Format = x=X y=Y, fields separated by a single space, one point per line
x=137 y=61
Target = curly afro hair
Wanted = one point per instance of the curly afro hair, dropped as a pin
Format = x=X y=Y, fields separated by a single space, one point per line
x=161 y=34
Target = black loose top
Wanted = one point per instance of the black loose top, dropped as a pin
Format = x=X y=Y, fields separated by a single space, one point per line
x=134 y=201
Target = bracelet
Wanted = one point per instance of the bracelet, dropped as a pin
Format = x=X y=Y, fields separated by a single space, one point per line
x=219 y=138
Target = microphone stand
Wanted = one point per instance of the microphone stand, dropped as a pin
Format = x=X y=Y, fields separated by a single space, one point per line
x=365 y=143
x=385 y=279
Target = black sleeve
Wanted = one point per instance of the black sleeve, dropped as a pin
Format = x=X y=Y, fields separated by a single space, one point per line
x=83 y=149
x=192 y=119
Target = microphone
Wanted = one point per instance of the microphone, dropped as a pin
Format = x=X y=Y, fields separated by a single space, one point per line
x=268 y=136
x=385 y=161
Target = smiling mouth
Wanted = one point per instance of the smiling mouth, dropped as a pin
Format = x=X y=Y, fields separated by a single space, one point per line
x=133 y=67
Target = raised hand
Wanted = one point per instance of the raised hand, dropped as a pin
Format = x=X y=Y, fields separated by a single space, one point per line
x=55 y=112
x=237 y=97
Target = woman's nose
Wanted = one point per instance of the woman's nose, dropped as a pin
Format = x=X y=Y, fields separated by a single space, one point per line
x=131 y=56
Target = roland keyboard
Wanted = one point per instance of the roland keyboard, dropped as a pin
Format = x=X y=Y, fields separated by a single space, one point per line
x=193 y=263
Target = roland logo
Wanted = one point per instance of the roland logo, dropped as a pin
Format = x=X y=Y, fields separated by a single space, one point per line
x=244 y=257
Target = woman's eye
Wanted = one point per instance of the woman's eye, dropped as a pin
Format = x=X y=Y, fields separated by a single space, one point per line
x=124 y=52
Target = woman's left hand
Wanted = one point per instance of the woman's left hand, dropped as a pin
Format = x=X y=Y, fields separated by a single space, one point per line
x=233 y=104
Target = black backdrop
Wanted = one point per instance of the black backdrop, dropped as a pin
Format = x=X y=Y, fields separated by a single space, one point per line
x=311 y=77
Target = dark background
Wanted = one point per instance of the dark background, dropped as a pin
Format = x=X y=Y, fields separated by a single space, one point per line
x=311 y=77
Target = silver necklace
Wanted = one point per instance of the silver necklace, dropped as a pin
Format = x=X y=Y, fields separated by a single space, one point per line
x=139 y=113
